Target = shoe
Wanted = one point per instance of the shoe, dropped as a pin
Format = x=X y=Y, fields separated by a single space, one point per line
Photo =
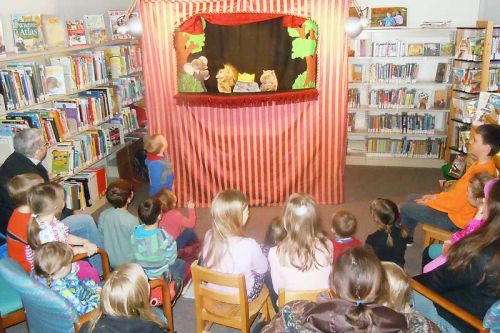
x=409 y=242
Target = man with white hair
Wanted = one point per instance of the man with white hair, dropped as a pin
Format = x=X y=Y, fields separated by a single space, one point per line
x=29 y=151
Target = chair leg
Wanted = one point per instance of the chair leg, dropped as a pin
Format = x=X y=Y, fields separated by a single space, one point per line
x=2 y=329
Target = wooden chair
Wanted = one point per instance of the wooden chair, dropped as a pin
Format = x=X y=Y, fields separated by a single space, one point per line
x=449 y=306
x=227 y=309
x=285 y=296
x=433 y=235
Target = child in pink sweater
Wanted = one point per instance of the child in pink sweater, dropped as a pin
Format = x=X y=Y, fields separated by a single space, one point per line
x=477 y=194
x=174 y=222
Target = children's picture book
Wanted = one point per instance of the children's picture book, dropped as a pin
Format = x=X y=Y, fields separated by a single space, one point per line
x=422 y=97
x=458 y=166
x=27 y=31
x=488 y=108
x=441 y=71
x=440 y=99
x=54 y=77
x=95 y=28
x=447 y=49
x=116 y=20
x=53 y=31
x=61 y=161
x=431 y=49
x=389 y=17
x=416 y=49
x=2 y=43
x=356 y=73
x=76 y=33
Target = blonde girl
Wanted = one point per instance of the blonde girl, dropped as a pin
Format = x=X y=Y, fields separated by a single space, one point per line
x=389 y=241
x=52 y=267
x=226 y=249
x=302 y=260
x=46 y=202
x=125 y=304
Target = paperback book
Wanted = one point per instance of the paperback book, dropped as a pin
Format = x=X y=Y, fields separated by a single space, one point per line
x=54 y=76
x=116 y=20
x=95 y=28
x=53 y=31
x=416 y=49
x=27 y=30
x=431 y=49
x=441 y=73
x=76 y=33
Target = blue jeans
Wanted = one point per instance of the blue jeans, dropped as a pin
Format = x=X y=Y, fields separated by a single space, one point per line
x=177 y=269
x=427 y=308
x=186 y=237
x=413 y=213
x=84 y=226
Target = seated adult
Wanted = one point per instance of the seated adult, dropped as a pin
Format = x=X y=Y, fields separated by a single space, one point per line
x=451 y=210
x=358 y=281
x=470 y=277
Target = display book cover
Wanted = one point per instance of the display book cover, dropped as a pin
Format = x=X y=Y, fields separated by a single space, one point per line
x=27 y=31
x=95 y=29
x=54 y=31
x=76 y=33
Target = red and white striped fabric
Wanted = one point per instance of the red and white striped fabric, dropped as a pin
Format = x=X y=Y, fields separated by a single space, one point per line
x=268 y=152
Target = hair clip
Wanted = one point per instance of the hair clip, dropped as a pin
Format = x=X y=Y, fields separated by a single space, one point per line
x=360 y=302
x=301 y=210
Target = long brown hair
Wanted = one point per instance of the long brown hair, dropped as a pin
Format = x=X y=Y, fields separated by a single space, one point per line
x=300 y=219
x=358 y=277
x=126 y=294
x=50 y=258
x=462 y=253
x=43 y=199
x=227 y=220
x=385 y=213
x=398 y=287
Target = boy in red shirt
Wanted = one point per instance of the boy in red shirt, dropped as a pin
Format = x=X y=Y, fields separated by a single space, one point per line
x=344 y=226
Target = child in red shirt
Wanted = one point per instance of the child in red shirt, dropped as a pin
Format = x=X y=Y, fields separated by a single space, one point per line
x=344 y=226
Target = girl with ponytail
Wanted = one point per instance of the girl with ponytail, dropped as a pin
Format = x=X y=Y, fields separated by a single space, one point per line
x=389 y=241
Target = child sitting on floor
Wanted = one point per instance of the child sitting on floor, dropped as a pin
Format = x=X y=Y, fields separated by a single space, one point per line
x=159 y=166
x=52 y=267
x=116 y=224
x=344 y=226
x=174 y=223
x=17 y=229
x=389 y=241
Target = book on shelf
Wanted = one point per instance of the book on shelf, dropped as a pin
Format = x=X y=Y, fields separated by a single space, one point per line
x=27 y=31
x=95 y=29
x=415 y=49
x=465 y=108
x=353 y=98
x=62 y=160
x=431 y=49
x=76 y=33
x=116 y=20
x=466 y=79
x=356 y=73
x=447 y=49
x=385 y=147
x=462 y=138
x=84 y=189
x=122 y=60
x=2 y=42
x=358 y=48
x=53 y=31
x=488 y=109
x=389 y=49
x=470 y=48
x=441 y=98
x=441 y=73
x=129 y=90
x=422 y=99
x=458 y=166
x=393 y=73
x=402 y=123
x=495 y=48
x=54 y=79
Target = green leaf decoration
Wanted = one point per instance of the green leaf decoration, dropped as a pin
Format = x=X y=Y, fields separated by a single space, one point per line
x=187 y=83
x=309 y=24
x=195 y=39
x=303 y=47
x=300 y=81
x=292 y=32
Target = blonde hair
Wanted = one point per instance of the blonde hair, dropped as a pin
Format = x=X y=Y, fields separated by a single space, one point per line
x=126 y=294
x=398 y=285
x=155 y=143
x=477 y=184
x=19 y=186
x=227 y=220
x=385 y=213
x=50 y=258
x=344 y=223
x=301 y=222
x=167 y=199
x=43 y=200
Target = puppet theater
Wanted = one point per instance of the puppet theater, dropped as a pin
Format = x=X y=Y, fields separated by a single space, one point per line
x=250 y=94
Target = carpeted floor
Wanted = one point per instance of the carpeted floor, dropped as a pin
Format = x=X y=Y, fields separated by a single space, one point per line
x=362 y=184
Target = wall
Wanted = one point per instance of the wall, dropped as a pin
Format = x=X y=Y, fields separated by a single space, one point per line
x=489 y=10
x=460 y=12
x=66 y=9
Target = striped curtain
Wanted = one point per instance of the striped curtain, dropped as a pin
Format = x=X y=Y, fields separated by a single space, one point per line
x=267 y=152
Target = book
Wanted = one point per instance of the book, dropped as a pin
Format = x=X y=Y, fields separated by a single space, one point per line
x=53 y=31
x=61 y=161
x=95 y=29
x=422 y=97
x=458 y=166
x=440 y=99
x=2 y=43
x=442 y=69
x=54 y=77
x=27 y=30
x=447 y=49
x=356 y=73
x=76 y=33
x=116 y=20
x=431 y=49
x=416 y=49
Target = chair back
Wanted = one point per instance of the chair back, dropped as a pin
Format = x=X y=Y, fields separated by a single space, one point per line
x=285 y=296
x=222 y=307
x=45 y=310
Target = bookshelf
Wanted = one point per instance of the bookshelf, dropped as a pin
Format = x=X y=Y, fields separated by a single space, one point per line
x=398 y=108
x=83 y=127
x=475 y=69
